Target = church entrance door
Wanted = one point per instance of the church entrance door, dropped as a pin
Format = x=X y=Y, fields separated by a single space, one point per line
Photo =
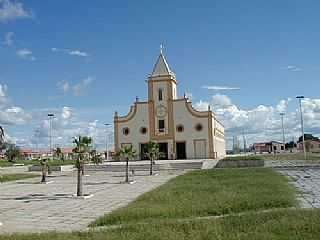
x=181 y=150
x=163 y=148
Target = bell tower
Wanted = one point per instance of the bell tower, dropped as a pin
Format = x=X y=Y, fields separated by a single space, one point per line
x=162 y=90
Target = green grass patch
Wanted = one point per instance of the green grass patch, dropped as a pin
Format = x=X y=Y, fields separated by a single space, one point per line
x=281 y=225
x=291 y=156
x=17 y=176
x=248 y=157
x=204 y=193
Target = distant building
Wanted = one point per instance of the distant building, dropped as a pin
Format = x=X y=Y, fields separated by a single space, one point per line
x=269 y=147
x=311 y=146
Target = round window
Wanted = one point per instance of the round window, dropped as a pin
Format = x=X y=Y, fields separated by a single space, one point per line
x=125 y=131
x=199 y=127
x=143 y=130
x=180 y=128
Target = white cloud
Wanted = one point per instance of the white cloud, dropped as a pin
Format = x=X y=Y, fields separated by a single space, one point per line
x=8 y=39
x=219 y=88
x=71 y=52
x=66 y=113
x=3 y=94
x=25 y=54
x=12 y=10
x=64 y=86
x=78 y=89
x=293 y=68
x=263 y=123
x=220 y=100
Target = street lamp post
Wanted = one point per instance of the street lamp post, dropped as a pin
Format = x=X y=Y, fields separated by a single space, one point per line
x=283 y=137
x=107 y=142
x=300 y=98
x=50 y=116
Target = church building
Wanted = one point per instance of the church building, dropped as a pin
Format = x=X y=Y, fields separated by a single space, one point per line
x=181 y=131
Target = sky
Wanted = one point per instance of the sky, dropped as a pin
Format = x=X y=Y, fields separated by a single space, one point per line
x=82 y=61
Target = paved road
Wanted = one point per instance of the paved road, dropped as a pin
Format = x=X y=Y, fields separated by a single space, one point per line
x=27 y=206
x=307 y=180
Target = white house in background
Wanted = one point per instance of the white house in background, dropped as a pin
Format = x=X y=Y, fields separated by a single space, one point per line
x=181 y=131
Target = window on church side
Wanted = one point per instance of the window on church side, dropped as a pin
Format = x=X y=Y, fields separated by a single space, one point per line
x=143 y=130
x=160 y=94
x=125 y=131
x=161 y=126
x=198 y=127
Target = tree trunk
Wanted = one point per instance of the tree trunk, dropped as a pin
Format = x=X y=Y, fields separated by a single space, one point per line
x=79 y=183
x=151 y=166
x=82 y=168
x=127 y=170
x=44 y=173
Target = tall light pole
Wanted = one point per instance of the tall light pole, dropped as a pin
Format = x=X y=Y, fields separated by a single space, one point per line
x=50 y=116
x=37 y=136
x=300 y=98
x=283 y=137
x=107 y=142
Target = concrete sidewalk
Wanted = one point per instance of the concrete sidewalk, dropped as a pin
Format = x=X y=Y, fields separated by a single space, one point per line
x=27 y=206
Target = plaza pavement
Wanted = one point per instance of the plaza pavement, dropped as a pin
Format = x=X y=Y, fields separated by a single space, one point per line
x=28 y=206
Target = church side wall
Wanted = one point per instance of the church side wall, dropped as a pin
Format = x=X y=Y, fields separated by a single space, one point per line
x=219 y=139
x=190 y=134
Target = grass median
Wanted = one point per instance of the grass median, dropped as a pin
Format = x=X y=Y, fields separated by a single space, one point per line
x=206 y=193
x=278 y=225
x=17 y=176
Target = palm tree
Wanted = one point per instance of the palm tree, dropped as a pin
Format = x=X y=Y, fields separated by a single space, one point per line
x=95 y=157
x=87 y=141
x=12 y=153
x=81 y=149
x=153 y=153
x=127 y=153
x=58 y=153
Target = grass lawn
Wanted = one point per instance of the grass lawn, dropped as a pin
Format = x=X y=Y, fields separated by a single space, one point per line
x=291 y=156
x=204 y=193
x=248 y=157
x=55 y=162
x=17 y=176
x=281 y=225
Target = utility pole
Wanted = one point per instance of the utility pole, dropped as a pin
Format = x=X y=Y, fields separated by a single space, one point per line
x=50 y=116
x=300 y=98
x=107 y=142
x=244 y=143
x=283 y=137
x=37 y=136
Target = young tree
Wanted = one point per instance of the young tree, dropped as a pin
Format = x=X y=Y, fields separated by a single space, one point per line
x=81 y=149
x=128 y=153
x=12 y=153
x=58 y=153
x=95 y=157
x=153 y=153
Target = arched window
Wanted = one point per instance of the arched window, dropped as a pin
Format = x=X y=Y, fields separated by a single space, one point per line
x=143 y=130
x=160 y=94
x=180 y=128
x=125 y=131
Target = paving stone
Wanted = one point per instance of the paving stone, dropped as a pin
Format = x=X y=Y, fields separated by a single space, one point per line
x=32 y=207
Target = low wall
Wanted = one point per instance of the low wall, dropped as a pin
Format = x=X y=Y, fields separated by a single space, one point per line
x=64 y=168
x=239 y=163
x=13 y=170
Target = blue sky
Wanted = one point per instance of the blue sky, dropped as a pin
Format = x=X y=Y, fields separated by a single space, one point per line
x=76 y=59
